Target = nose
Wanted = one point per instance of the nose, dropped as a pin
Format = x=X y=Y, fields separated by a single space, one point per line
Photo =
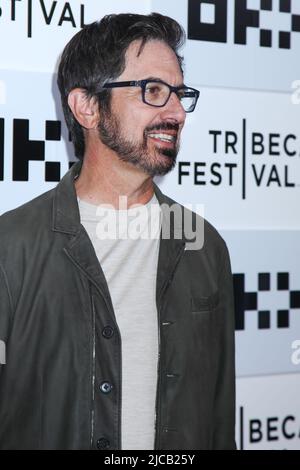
x=174 y=110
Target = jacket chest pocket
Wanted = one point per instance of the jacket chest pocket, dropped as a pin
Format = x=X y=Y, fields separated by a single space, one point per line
x=201 y=304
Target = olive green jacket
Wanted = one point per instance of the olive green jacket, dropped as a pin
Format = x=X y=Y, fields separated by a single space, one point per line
x=62 y=339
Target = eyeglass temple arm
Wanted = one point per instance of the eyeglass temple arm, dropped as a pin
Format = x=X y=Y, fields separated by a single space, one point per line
x=121 y=84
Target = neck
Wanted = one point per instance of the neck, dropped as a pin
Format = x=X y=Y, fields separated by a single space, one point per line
x=104 y=178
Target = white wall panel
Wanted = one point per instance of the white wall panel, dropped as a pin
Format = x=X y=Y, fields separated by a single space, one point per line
x=268 y=413
x=34 y=32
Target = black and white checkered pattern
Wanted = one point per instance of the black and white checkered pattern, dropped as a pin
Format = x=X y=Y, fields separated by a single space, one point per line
x=245 y=16
x=26 y=150
x=249 y=300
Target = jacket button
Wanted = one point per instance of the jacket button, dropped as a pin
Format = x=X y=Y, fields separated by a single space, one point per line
x=106 y=387
x=107 y=332
x=103 y=443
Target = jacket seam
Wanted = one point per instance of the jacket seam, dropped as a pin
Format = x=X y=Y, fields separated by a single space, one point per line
x=225 y=254
x=7 y=287
x=222 y=264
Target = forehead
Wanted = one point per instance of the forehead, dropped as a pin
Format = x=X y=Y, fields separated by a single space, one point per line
x=157 y=59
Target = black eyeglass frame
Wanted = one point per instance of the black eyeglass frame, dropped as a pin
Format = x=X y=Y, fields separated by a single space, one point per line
x=143 y=84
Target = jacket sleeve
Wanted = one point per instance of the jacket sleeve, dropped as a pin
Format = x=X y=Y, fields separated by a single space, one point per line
x=5 y=316
x=224 y=404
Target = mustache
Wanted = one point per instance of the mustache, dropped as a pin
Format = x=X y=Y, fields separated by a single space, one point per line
x=164 y=126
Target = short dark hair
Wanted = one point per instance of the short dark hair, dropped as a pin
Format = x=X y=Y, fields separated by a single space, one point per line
x=96 y=54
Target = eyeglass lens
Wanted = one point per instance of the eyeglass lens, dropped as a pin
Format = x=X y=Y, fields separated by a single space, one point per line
x=157 y=94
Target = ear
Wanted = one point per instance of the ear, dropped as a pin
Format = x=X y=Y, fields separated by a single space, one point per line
x=85 y=110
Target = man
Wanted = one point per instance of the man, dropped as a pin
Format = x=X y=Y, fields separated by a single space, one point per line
x=116 y=342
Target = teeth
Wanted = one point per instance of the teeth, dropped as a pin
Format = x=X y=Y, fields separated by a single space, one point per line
x=163 y=137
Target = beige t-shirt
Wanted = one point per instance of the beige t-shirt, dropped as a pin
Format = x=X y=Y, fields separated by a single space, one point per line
x=127 y=243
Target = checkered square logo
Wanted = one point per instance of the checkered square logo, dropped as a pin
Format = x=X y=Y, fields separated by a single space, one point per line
x=274 y=21
x=249 y=301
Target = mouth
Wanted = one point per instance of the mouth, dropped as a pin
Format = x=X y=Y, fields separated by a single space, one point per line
x=163 y=137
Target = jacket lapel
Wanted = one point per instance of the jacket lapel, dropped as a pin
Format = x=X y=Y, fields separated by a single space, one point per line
x=66 y=219
x=172 y=242
x=80 y=250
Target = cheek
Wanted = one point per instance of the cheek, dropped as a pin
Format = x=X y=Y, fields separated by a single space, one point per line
x=135 y=125
x=136 y=118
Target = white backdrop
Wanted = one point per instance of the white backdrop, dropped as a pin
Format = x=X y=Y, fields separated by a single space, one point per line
x=240 y=157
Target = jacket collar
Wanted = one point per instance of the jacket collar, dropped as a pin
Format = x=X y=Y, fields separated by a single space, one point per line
x=66 y=217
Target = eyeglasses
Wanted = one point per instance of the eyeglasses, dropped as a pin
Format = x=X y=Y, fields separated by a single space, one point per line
x=157 y=93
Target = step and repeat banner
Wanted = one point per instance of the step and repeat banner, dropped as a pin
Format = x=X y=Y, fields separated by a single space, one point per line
x=240 y=158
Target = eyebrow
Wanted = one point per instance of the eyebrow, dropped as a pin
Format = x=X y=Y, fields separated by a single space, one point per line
x=158 y=78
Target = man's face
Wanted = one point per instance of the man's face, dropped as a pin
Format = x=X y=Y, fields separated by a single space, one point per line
x=135 y=130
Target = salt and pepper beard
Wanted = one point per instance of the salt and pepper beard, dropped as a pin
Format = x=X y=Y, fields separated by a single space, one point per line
x=138 y=154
